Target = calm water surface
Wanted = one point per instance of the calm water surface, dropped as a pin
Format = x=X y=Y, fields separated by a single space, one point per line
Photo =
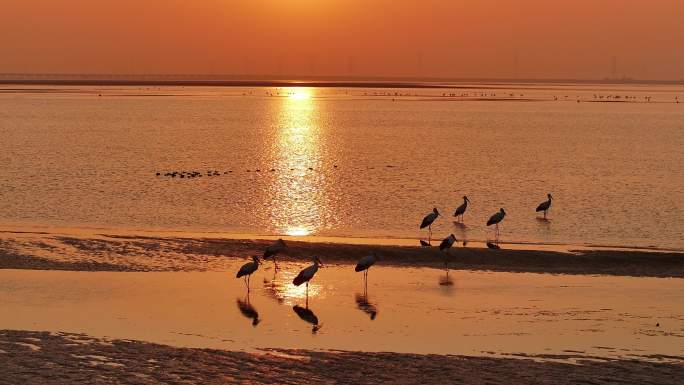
x=403 y=310
x=348 y=162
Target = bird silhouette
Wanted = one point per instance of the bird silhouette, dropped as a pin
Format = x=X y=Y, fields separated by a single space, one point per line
x=427 y=222
x=460 y=210
x=544 y=206
x=247 y=270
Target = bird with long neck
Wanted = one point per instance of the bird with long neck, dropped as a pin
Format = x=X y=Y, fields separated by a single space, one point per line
x=307 y=274
x=247 y=270
x=427 y=222
x=496 y=219
x=460 y=210
x=272 y=250
x=364 y=265
x=444 y=247
x=546 y=205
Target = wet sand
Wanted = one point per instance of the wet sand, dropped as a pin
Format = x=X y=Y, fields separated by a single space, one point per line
x=136 y=252
x=50 y=358
x=167 y=309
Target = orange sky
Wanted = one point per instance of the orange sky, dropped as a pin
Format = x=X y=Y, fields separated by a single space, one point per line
x=453 y=38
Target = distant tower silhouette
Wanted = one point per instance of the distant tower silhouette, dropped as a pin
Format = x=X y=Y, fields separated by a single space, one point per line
x=613 y=67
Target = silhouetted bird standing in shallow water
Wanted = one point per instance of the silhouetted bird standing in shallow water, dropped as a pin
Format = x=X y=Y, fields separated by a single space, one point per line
x=544 y=206
x=248 y=269
x=445 y=246
x=365 y=264
x=427 y=222
x=276 y=248
x=460 y=210
x=495 y=219
x=306 y=275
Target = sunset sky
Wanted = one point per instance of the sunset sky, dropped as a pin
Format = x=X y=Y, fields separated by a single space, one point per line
x=432 y=38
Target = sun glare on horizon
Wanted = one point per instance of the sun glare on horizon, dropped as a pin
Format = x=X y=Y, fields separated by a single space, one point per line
x=300 y=95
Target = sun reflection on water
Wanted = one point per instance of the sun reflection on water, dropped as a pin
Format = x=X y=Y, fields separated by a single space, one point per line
x=298 y=193
x=280 y=287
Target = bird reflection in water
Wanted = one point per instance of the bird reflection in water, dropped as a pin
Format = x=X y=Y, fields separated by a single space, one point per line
x=307 y=315
x=493 y=245
x=363 y=303
x=446 y=280
x=248 y=310
x=275 y=289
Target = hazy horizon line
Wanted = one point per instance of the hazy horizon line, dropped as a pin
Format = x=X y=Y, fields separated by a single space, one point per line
x=294 y=80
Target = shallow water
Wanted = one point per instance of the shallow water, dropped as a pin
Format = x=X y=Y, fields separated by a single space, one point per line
x=403 y=310
x=73 y=158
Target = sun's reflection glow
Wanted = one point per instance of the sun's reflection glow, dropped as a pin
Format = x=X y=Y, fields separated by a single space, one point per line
x=284 y=291
x=299 y=94
x=297 y=232
x=298 y=192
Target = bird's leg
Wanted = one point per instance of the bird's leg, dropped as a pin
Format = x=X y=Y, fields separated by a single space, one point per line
x=307 y=295
x=544 y=214
x=430 y=234
x=275 y=263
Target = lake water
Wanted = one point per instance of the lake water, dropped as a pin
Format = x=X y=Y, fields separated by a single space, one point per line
x=348 y=162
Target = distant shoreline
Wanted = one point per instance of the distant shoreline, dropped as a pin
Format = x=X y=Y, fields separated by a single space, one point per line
x=330 y=82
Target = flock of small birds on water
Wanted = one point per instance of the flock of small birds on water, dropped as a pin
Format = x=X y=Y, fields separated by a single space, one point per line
x=213 y=173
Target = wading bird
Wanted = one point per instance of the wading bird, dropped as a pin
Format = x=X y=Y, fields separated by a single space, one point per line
x=305 y=275
x=545 y=206
x=460 y=210
x=445 y=246
x=364 y=265
x=427 y=222
x=247 y=269
x=276 y=248
x=495 y=219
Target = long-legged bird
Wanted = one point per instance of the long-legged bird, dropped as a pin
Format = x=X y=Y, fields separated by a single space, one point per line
x=495 y=219
x=460 y=210
x=247 y=270
x=427 y=222
x=545 y=206
x=445 y=246
x=276 y=248
x=364 y=265
x=307 y=274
